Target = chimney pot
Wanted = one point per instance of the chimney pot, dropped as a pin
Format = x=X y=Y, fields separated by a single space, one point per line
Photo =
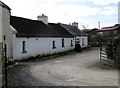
x=75 y=24
x=43 y=18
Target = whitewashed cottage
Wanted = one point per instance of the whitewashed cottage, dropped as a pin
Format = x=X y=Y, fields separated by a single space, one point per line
x=35 y=37
x=38 y=37
x=79 y=37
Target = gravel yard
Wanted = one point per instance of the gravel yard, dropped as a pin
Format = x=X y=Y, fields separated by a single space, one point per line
x=74 y=69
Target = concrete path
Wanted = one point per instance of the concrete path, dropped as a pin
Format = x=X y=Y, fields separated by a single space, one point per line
x=76 y=69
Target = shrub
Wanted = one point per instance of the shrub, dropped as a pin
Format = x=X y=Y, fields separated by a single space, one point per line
x=108 y=47
x=78 y=48
x=31 y=58
x=10 y=62
x=113 y=49
x=38 y=56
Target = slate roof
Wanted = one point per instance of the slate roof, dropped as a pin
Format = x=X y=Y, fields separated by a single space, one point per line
x=4 y=5
x=60 y=30
x=75 y=31
x=111 y=28
x=33 y=28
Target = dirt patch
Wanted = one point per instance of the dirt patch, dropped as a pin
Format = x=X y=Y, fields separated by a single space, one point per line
x=100 y=66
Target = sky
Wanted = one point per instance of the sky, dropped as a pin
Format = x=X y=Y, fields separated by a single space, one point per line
x=85 y=12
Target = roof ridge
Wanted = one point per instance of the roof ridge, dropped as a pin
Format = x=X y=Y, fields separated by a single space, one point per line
x=4 y=5
x=27 y=19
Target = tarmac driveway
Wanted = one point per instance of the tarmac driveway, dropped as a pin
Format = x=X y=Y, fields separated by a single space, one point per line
x=74 y=69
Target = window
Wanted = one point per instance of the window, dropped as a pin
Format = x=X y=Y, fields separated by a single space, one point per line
x=23 y=47
x=82 y=41
x=63 y=43
x=53 y=45
x=4 y=37
x=71 y=42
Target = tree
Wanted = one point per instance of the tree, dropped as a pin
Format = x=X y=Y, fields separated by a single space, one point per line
x=84 y=26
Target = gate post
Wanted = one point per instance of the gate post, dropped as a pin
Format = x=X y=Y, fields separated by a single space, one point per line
x=100 y=51
x=2 y=75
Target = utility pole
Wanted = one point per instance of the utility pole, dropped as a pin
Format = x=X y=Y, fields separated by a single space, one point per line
x=99 y=34
x=99 y=25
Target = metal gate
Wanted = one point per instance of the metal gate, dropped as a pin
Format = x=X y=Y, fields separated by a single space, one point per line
x=105 y=59
x=103 y=55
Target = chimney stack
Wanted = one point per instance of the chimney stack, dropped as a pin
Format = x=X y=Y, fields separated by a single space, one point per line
x=43 y=18
x=75 y=24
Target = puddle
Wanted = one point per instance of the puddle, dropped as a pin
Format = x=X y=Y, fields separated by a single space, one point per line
x=71 y=79
x=57 y=61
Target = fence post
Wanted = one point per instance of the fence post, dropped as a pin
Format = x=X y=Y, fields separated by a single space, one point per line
x=100 y=52
x=5 y=63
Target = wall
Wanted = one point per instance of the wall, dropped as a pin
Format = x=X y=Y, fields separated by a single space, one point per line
x=3 y=12
x=1 y=65
x=0 y=24
x=39 y=46
x=4 y=30
x=0 y=46
x=7 y=31
x=83 y=43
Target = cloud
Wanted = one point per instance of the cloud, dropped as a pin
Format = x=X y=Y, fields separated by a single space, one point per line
x=65 y=11
x=108 y=10
x=68 y=10
x=104 y=2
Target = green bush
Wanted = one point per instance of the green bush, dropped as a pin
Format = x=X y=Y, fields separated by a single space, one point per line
x=38 y=56
x=78 y=48
x=109 y=47
x=113 y=48
x=31 y=58
x=10 y=62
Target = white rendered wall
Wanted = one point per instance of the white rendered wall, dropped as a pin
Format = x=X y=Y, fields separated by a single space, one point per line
x=1 y=48
x=4 y=30
x=39 y=47
x=85 y=41
x=0 y=24
x=7 y=31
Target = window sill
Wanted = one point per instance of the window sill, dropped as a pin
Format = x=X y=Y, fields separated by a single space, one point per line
x=24 y=51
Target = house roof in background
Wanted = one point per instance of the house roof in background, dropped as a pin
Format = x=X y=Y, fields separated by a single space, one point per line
x=111 y=28
x=60 y=30
x=73 y=30
x=4 y=5
x=34 y=28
